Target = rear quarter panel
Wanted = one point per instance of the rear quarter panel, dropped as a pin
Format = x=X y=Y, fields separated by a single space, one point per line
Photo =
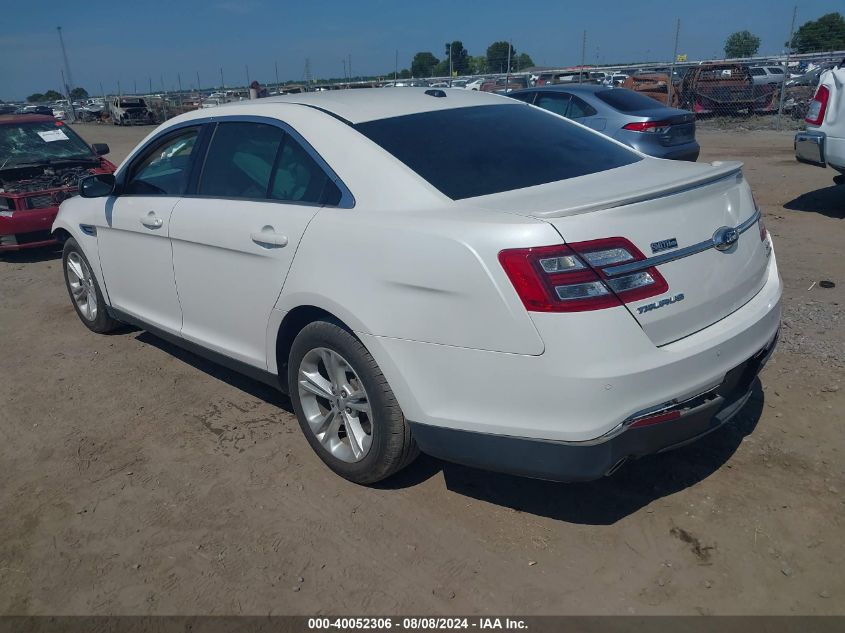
x=430 y=276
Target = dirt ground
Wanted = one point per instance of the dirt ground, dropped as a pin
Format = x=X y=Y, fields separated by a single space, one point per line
x=136 y=478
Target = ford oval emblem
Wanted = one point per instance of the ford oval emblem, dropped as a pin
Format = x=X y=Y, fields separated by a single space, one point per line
x=725 y=237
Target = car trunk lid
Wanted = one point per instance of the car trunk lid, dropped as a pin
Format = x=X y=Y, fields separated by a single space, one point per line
x=664 y=213
x=679 y=128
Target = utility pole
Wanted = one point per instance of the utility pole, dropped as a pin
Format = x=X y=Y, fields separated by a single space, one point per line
x=350 y=66
x=134 y=87
x=583 y=55
x=396 y=65
x=344 y=69
x=199 y=91
x=450 y=64
x=309 y=79
x=786 y=70
x=179 y=83
x=164 y=97
x=222 y=85
x=69 y=85
x=508 y=76
x=276 y=65
x=671 y=83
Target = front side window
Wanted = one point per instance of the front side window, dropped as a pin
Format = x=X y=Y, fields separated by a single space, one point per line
x=240 y=160
x=481 y=150
x=165 y=169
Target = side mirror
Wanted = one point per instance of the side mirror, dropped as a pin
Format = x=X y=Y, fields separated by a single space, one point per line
x=100 y=149
x=97 y=185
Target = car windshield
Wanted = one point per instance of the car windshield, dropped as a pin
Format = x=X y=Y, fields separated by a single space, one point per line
x=40 y=142
x=625 y=100
x=481 y=150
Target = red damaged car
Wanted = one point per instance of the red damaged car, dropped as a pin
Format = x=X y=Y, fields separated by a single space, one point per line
x=41 y=162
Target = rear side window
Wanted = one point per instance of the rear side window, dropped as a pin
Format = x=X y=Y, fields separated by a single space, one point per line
x=578 y=109
x=757 y=72
x=298 y=178
x=258 y=161
x=481 y=150
x=240 y=160
x=776 y=70
x=556 y=102
x=625 y=100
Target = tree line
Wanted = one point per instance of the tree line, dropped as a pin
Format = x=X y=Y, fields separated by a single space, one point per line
x=814 y=36
x=426 y=64
x=54 y=95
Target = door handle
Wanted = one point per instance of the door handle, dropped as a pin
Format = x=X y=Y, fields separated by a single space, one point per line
x=268 y=238
x=151 y=221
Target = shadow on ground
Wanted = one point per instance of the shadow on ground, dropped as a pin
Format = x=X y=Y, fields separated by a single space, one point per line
x=602 y=502
x=32 y=255
x=605 y=501
x=829 y=201
x=248 y=385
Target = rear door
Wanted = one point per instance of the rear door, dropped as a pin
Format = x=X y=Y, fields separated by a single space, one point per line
x=234 y=241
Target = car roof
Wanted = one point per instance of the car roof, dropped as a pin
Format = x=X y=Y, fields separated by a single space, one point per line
x=370 y=104
x=573 y=87
x=11 y=119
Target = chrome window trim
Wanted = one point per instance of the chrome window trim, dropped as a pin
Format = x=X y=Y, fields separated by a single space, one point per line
x=347 y=200
x=633 y=267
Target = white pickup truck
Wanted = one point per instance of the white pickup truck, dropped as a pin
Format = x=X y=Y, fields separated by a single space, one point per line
x=823 y=142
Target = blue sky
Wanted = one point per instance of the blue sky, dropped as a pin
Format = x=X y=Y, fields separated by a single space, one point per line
x=132 y=40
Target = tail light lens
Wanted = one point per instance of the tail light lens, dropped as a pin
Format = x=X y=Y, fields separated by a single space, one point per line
x=818 y=106
x=569 y=278
x=656 y=127
x=763 y=231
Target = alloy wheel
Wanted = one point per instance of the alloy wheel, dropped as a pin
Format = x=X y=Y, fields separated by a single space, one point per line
x=335 y=404
x=81 y=283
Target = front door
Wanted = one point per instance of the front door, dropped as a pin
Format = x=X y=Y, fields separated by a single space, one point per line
x=133 y=238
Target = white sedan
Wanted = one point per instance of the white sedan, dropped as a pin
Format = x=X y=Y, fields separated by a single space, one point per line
x=447 y=271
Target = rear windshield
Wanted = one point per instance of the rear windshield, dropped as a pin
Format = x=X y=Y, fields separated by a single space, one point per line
x=626 y=100
x=476 y=151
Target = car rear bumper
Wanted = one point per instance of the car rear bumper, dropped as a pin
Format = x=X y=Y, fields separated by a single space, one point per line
x=26 y=229
x=809 y=148
x=585 y=461
x=598 y=370
x=686 y=151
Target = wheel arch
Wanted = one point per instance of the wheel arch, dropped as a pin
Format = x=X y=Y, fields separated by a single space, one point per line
x=292 y=324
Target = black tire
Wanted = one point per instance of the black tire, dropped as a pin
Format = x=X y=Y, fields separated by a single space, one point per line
x=102 y=322
x=392 y=446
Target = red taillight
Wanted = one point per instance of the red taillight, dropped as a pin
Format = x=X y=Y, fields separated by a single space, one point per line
x=657 y=127
x=763 y=231
x=818 y=106
x=570 y=278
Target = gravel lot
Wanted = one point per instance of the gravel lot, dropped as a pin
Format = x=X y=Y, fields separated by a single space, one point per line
x=136 y=478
